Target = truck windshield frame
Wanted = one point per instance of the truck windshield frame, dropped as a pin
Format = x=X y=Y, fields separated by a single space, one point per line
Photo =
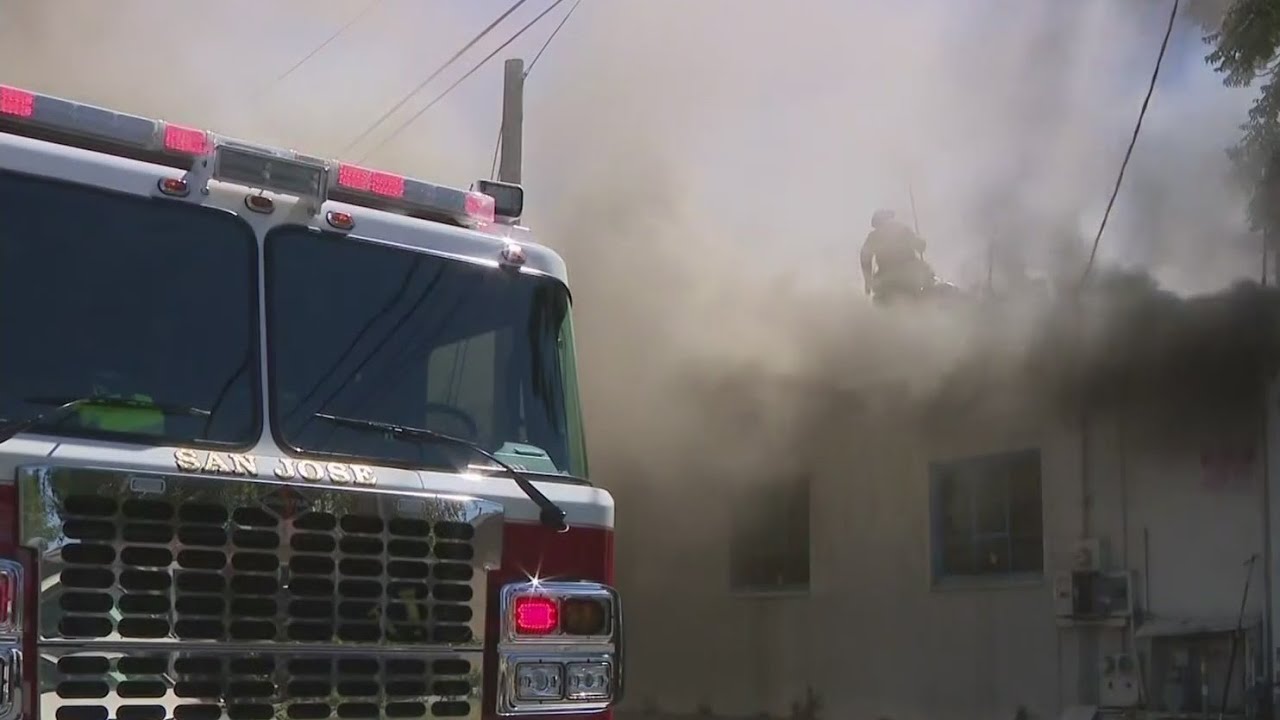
x=146 y=300
x=367 y=330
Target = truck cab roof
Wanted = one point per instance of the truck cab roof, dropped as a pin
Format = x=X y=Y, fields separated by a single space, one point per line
x=34 y=151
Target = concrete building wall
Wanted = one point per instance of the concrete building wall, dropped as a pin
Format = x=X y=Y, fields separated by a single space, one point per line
x=871 y=636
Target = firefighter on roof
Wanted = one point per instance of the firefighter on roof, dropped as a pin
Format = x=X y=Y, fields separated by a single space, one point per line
x=892 y=259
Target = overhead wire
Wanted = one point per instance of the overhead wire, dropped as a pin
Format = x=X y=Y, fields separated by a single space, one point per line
x=409 y=95
x=1137 y=128
x=551 y=37
x=328 y=41
x=379 y=344
x=497 y=147
x=402 y=126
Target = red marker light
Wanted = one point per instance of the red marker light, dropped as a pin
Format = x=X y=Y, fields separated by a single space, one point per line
x=187 y=141
x=513 y=254
x=536 y=615
x=354 y=177
x=176 y=187
x=340 y=220
x=18 y=103
x=259 y=203
x=480 y=207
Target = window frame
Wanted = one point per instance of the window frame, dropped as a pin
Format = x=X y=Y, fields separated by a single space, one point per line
x=939 y=578
x=799 y=489
x=253 y=324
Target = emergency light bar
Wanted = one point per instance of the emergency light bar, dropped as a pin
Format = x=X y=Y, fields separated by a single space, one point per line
x=362 y=186
x=45 y=117
x=289 y=174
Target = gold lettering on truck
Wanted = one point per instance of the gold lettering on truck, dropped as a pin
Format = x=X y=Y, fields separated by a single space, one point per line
x=311 y=471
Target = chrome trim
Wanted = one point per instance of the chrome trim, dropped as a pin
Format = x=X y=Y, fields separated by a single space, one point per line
x=558 y=591
x=11 y=688
x=43 y=524
x=557 y=648
x=217 y=680
x=509 y=704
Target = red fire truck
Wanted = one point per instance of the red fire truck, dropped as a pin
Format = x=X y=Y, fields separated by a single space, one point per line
x=284 y=438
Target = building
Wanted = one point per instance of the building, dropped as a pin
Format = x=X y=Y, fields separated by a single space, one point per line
x=906 y=560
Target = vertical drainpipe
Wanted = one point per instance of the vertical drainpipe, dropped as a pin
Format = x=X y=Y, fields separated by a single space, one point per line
x=1086 y=639
x=1269 y=657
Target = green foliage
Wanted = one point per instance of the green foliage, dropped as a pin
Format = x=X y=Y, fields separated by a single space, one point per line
x=1247 y=52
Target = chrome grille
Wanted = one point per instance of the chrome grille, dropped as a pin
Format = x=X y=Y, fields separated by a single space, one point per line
x=196 y=559
x=256 y=686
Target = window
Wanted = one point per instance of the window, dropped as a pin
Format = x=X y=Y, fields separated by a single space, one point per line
x=418 y=340
x=460 y=375
x=769 y=547
x=987 y=517
x=127 y=297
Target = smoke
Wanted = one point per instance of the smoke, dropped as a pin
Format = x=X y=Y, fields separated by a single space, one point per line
x=708 y=169
x=714 y=165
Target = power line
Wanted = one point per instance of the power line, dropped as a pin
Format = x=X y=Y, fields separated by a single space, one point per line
x=497 y=146
x=551 y=37
x=315 y=51
x=1137 y=128
x=399 y=129
x=409 y=95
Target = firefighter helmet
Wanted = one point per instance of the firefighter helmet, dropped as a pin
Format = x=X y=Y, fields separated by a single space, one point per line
x=880 y=217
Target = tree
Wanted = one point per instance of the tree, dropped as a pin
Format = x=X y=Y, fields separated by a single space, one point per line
x=1247 y=51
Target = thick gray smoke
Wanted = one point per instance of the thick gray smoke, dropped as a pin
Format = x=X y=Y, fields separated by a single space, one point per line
x=715 y=164
x=708 y=169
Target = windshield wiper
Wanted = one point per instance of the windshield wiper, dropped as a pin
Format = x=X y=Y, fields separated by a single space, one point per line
x=66 y=407
x=550 y=514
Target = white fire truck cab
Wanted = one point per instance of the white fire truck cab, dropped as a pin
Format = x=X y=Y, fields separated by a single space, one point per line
x=283 y=438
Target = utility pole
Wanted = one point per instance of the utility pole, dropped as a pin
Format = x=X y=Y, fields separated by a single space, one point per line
x=915 y=217
x=512 y=121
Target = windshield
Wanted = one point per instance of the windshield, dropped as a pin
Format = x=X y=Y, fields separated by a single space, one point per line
x=367 y=331
x=118 y=296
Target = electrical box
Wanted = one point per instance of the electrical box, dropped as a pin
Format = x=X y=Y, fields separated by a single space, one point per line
x=1086 y=555
x=1093 y=596
x=1118 y=685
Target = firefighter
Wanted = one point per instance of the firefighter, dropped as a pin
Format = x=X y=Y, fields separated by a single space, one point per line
x=892 y=259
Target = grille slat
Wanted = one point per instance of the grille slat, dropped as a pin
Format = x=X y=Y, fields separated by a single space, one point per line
x=253 y=562
x=164 y=686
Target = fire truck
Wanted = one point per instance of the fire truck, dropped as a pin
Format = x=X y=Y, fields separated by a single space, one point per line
x=284 y=438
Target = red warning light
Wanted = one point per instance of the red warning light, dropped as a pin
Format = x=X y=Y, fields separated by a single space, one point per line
x=480 y=207
x=19 y=103
x=536 y=615
x=354 y=177
x=187 y=141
